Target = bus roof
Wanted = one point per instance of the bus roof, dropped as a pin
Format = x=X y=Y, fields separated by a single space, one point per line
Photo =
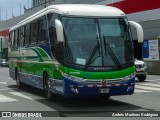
x=75 y=10
x=86 y=10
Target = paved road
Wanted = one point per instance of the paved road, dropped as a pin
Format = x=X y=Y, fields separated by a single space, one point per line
x=146 y=98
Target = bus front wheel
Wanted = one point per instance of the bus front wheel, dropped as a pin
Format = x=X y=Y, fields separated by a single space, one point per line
x=18 y=82
x=47 y=87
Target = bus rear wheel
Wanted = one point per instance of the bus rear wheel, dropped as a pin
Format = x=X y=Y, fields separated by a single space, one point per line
x=47 y=86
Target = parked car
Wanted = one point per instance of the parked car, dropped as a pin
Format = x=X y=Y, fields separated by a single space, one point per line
x=141 y=70
x=3 y=62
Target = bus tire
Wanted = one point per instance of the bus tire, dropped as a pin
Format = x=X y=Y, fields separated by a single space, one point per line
x=142 y=78
x=47 y=86
x=18 y=82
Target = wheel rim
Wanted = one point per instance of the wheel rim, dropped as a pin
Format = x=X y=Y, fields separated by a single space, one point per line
x=47 y=86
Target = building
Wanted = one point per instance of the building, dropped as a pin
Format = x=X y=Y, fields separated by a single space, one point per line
x=146 y=12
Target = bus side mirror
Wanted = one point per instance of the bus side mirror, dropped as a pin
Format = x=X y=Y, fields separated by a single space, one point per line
x=139 y=29
x=59 y=52
x=59 y=30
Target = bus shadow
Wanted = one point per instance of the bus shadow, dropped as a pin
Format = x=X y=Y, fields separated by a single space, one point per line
x=88 y=106
x=79 y=106
x=12 y=86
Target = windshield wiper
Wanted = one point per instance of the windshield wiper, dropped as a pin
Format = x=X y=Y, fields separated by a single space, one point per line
x=109 y=50
x=92 y=54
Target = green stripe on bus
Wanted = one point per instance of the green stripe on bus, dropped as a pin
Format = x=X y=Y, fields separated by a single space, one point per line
x=44 y=54
x=39 y=55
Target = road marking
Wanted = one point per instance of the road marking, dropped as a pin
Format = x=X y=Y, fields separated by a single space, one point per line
x=152 y=79
x=141 y=91
x=21 y=95
x=5 y=78
x=151 y=84
x=3 y=82
x=6 y=99
x=8 y=89
x=147 y=88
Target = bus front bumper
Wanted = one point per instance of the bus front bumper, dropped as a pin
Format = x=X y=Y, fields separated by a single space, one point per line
x=73 y=89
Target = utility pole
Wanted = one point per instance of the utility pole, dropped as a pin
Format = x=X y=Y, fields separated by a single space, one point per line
x=112 y=2
x=0 y=15
x=28 y=4
x=20 y=8
x=12 y=12
x=45 y=3
x=6 y=14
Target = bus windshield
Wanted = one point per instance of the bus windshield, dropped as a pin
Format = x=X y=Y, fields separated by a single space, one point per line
x=101 y=42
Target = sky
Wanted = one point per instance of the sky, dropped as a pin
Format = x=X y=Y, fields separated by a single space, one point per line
x=9 y=8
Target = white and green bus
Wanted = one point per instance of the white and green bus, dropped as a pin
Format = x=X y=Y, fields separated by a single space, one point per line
x=75 y=50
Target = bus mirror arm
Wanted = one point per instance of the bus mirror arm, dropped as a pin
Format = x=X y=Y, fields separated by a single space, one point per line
x=139 y=29
x=59 y=30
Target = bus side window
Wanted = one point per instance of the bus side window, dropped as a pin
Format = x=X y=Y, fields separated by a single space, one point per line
x=52 y=30
x=11 y=39
x=13 y=43
x=10 y=36
x=41 y=30
x=34 y=29
x=24 y=37
x=27 y=34
x=16 y=39
x=21 y=36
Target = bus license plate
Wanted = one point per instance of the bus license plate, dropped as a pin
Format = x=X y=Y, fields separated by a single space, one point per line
x=104 y=90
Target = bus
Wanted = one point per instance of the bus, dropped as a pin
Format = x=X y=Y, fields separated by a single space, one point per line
x=75 y=50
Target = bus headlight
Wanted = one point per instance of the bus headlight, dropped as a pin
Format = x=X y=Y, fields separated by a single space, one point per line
x=73 y=78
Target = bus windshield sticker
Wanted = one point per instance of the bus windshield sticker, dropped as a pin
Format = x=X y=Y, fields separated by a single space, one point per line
x=81 y=61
